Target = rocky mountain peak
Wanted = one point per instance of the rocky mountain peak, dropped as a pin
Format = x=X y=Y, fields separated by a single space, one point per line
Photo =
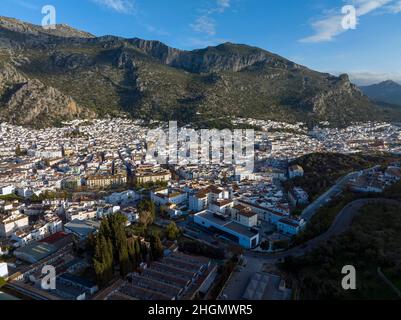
x=60 y=30
x=66 y=73
x=390 y=84
x=385 y=92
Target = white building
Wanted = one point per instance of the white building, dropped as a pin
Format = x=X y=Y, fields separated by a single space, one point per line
x=290 y=227
x=3 y=270
x=203 y=198
x=247 y=238
x=221 y=206
x=123 y=197
x=47 y=154
x=3 y=250
x=295 y=171
x=44 y=228
x=25 y=192
x=11 y=223
x=242 y=174
x=198 y=202
x=6 y=190
x=81 y=214
x=298 y=197
x=131 y=214
x=244 y=215
x=165 y=196
x=393 y=173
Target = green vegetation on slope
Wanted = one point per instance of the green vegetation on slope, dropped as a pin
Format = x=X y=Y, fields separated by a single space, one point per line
x=373 y=241
x=322 y=170
x=147 y=79
x=324 y=218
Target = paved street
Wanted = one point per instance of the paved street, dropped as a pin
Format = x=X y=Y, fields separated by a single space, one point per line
x=310 y=211
x=255 y=261
x=240 y=278
x=342 y=222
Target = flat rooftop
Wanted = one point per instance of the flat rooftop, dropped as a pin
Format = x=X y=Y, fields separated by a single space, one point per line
x=165 y=279
x=227 y=223
x=36 y=250
x=266 y=286
x=83 y=227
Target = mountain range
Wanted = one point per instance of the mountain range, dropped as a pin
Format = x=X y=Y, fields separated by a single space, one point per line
x=47 y=76
x=387 y=92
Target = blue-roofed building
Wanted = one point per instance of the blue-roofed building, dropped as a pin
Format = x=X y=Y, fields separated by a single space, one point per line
x=246 y=237
x=82 y=228
x=79 y=282
x=72 y=287
x=35 y=251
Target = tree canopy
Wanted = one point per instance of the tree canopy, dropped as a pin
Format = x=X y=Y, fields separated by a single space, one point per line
x=147 y=212
x=172 y=231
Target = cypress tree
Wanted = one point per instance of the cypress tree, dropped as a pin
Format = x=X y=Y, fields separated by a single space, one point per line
x=103 y=260
x=156 y=247
x=138 y=251
x=132 y=253
x=98 y=262
x=125 y=263
x=144 y=252
x=109 y=259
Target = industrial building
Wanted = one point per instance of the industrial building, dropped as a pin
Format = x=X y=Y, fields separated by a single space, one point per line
x=175 y=277
x=246 y=237
x=35 y=251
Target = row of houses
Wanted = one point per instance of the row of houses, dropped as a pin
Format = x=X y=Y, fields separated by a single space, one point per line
x=376 y=180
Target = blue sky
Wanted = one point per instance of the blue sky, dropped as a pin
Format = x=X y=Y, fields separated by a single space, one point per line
x=306 y=31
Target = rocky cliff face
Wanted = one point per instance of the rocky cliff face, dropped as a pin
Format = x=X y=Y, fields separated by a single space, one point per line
x=225 y=57
x=158 y=50
x=9 y=75
x=342 y=91
x=29 y=102
x=61 y=30
x=59 y=74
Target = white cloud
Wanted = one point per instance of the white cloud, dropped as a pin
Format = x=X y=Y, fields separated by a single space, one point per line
x=330 y=25
x=363 y=78
x=120 y=6
x=205 y=24
x=395 y=8
x=196 y=43
x=325 y=29
x=366 y=6
x=223 y=5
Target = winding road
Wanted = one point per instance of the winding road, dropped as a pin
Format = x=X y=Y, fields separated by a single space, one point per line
x=258 y=261
x=341 y=223
x=310 y=211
